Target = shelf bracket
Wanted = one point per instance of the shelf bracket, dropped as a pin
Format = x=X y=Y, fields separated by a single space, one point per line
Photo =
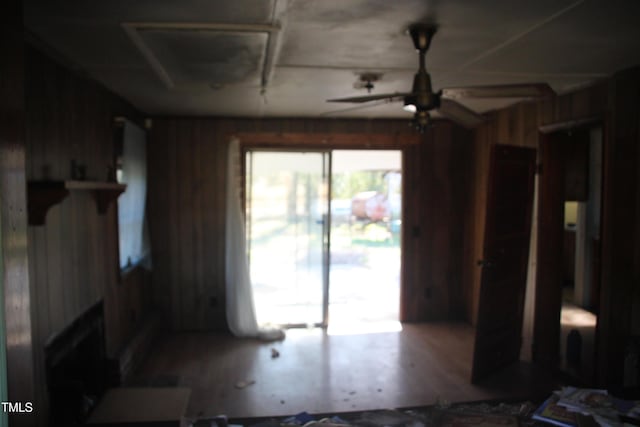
x=104 y=198
x=42 y=196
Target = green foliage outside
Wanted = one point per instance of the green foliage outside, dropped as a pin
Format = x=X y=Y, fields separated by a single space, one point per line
x=346 y=185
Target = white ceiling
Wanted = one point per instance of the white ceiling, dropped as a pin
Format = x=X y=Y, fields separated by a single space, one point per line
x=271 y=58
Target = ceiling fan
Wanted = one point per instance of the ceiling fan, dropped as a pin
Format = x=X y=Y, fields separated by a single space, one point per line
x=422 y=99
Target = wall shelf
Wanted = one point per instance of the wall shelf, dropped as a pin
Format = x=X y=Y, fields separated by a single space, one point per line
x=42 y=195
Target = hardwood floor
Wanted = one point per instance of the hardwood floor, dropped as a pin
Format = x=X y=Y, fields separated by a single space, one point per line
x=321 y=373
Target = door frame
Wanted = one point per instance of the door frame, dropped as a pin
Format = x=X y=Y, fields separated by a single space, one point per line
x=548 y=283
x=295 y=141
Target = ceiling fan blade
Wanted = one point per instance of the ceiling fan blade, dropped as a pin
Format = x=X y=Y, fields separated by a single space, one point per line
x=390 y=97
x=358 y=107
x=459 y=113
x=522 y=90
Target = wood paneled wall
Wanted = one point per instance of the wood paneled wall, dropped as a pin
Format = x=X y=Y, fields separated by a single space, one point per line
x=73 y=258
x=187 y=178
x=438 y=185
x=616 y=101
x=186 y=170
x=14 y=274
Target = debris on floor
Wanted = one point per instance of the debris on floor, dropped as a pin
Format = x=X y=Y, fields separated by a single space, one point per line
x=301 y=418
x=386 y=418
x=244 y=384
x=274 y=353
x=441 y=414
x=586 y=406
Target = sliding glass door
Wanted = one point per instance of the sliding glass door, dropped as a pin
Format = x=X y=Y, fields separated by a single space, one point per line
x=287 y=202
x=296 y=247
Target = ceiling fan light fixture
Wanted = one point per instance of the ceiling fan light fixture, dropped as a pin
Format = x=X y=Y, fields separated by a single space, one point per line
x=421 y=121
x=410 y=104
x=411 y=108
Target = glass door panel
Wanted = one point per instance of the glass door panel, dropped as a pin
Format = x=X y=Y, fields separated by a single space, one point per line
x=366 y=212
x=286 y=207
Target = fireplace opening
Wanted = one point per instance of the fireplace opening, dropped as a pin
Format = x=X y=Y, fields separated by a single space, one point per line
x=77 y=368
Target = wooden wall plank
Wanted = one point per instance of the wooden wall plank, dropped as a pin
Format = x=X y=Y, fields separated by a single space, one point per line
x=219 y=200
x=437 y=189
x=209 y=170
x=184 y=176
x=412 y=295
x=14 y=281
x=200 y=294
x=173 y=227
x=464 y=168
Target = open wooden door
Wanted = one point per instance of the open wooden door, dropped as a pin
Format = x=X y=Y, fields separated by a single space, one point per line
x=505 y=259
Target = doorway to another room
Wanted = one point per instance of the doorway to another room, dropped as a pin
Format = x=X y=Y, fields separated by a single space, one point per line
x=323 y=235
x=581 y=253
x=569 y=248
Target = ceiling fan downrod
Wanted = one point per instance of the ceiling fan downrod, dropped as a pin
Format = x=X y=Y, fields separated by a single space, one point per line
x=422 y=97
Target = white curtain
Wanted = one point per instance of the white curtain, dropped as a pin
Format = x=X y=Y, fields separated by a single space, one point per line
x=134 y=241
x=241 y=314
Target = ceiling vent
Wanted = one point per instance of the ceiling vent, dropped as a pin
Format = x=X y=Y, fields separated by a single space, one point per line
x=190 y=55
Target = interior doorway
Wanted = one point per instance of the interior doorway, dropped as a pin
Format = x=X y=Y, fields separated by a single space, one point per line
x=581 y=254
x=323 y=235
x=569 y=250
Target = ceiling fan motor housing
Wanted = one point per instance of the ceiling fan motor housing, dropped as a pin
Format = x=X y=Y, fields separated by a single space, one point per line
x=422 y=96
